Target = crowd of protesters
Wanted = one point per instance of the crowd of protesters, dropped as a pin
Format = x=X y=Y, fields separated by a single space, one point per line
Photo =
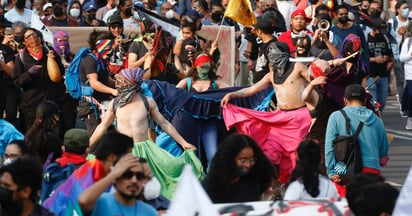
x=329 y=62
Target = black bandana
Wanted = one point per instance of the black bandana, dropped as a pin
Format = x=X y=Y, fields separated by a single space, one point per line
x=126 y=94
x=279 y=61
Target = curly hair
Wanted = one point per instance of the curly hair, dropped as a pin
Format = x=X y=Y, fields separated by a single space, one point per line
x=45 y=123
x=98 y=35
x=224 y=171
x=306 y=169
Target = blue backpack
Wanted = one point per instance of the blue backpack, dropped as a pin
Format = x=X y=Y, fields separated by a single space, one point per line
x=74 y=86
x=53 y=176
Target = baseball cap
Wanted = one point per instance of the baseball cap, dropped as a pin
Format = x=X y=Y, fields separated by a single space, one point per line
x=115 y=18
x=355 y=91
x=89 y=5
x=47 y=5
x=57 y=1
x=75 y=139
x=301 y=13
x=381 y=25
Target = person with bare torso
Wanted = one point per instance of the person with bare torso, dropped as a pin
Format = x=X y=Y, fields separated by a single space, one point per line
x=130 y=113
x=277 y=133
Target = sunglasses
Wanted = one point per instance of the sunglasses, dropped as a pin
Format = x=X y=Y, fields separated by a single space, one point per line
x=140 y=176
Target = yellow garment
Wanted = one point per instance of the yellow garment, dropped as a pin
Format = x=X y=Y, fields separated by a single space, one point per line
x=241 y=12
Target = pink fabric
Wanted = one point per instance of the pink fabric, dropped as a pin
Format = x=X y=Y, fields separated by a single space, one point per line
x=277 y=133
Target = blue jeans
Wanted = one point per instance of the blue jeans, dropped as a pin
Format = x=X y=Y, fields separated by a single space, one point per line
x=379 y=90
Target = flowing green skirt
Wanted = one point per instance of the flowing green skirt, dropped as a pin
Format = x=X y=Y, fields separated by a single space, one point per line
x=166 y=167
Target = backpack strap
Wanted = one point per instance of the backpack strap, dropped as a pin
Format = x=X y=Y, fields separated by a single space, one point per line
x=395 y=23
x=214 y=84
x=188 y=83
x=347 y=121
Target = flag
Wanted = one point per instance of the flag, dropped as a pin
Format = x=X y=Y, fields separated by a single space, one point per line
x=190 y=198
x=64 y=200
x=241 y=11
x=166 y=24
x=36 y=23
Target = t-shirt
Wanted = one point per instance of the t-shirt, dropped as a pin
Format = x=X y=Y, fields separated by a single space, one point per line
x=378 y=47
x=262 y=62
x=88 y=65
x=139 y=49
x=296 y=190
x=6 y=55
x=14 y=16
x=108 y=205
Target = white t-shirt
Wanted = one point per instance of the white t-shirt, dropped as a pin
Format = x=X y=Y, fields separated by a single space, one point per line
x=296 y=190
x=13 y=16
x=394 y=32
x=286 y=8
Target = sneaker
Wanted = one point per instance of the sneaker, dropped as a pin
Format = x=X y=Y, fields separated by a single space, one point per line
x=404 y=114
x=409 y=124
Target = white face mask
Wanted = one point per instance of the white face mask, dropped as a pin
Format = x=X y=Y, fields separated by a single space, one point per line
x=7 y=161
x=152 y=189
x=74 y=12
x=170 y=14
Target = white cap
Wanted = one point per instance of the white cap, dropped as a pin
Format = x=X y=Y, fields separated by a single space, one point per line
x=352 y=2
x=45 y=6
x=172 y=2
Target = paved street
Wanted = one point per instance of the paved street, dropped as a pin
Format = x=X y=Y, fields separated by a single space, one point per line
x=400 y=151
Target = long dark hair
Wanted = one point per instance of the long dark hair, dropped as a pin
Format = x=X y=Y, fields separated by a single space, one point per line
x=45 y=123
x=306 y=169
x=223 y=170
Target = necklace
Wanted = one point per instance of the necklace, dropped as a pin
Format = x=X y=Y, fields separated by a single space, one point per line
x=119 y=206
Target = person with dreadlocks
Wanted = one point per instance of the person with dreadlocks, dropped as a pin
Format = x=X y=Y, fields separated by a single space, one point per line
x=130 y=111
x=94 y=70
x=277 y=133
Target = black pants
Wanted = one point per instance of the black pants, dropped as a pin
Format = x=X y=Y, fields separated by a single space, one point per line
x=9 y=101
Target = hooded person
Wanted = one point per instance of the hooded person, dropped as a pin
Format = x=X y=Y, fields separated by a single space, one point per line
x=61 y=45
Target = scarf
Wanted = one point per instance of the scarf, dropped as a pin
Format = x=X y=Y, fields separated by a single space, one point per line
x=126 y=94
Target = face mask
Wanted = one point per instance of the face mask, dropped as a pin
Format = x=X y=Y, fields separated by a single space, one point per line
x=170 y=14
x=20 y=4
x=405 y=12
x=217 y=16
x=203 y=71
x=365 y=11
x=375 y=13
x=242 y=172
x=6 y=199
x=126 y=94
x=58 y=11
x=136 y=15
x=7 y=161
x=128 y=11
x=152 y=189
x=91 y=17
x=75 y=12
x=343 y=20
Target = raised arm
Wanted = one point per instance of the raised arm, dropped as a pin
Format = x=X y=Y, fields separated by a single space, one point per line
x=104 y=125
x=265 y=82
x=87 y=199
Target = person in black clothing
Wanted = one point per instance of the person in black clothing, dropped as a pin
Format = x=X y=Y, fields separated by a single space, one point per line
x=93 y=69
x=240 y=172
x=59 y=16
x=9 y=92
x=20 y=182
x=89 y=15
x=30 y=74
x=42 y=137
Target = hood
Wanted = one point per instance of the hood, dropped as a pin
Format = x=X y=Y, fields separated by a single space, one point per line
x=361 y=113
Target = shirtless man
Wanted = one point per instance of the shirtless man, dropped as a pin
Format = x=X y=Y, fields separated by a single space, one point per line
x=131 y=116
x=277 y=133
x=130 y=120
